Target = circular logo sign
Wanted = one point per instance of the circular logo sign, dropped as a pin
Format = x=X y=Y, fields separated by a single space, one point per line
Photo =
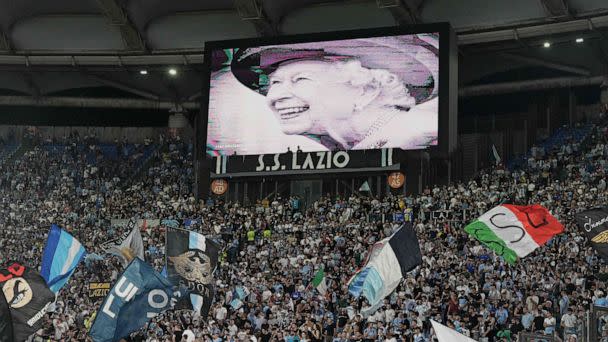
x=396 y=180
x=219 y=186
x=18 y=292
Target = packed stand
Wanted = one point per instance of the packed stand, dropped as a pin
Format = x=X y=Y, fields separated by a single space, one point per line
x=274 y=247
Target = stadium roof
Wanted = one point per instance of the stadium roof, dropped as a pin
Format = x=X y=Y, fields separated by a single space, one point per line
x=50 y=47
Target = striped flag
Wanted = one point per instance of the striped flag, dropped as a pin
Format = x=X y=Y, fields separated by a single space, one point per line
x=61 y=255
x=514 y=231
x=388 y=262
x=319 y=281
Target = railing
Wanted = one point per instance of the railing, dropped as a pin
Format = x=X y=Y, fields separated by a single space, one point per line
x=598 y=324
x=534 y=337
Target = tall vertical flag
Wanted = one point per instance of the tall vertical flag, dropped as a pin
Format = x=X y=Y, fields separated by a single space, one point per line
x=191 y=261
x=495 y=154
x=388 y=262
x=514 y=231
x=319 y=281
x=445 y=334
x=61 y=256
x=27 y=297
x=132 y=246
x=139 y=294
x=594 y=223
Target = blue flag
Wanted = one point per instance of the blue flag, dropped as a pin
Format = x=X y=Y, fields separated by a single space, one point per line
x=139 y=294
x=61 y=255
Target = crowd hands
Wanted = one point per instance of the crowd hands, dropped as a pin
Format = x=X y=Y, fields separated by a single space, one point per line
x=273 y=248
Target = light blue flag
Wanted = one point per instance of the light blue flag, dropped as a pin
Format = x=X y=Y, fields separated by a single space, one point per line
x=139 y=294
x=61 y=255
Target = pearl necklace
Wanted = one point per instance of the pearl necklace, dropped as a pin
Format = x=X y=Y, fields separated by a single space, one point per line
x=381 y=121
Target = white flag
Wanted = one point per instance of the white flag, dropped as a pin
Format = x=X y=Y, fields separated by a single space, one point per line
x=131 y=247
x=445 y=334
x=364 y=187
x=497 y=158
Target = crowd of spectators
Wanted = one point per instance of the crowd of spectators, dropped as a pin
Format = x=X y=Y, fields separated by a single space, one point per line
x=273 y=248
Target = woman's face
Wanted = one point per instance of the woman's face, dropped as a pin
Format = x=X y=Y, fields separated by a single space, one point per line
x=310 y=96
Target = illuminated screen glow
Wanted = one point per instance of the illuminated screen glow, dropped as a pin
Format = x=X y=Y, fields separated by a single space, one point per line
x=353 y=94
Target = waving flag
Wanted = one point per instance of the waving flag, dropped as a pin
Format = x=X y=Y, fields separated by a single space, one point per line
x=388 y=262
x=6 y=324
x=61 y=255
x=319 y=281
x=514 y=231
x=27 y=297
x=445 y=334
x=139 y=294
x=594 y=223
x=132 y=246
x=191 y=260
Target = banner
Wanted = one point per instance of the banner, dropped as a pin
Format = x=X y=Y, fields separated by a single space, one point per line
x=6 y=324
x=302 y=162
x=191 y=261
x=139 y=294
x=99 y=290
x=130 y=223
x=27 y=296
x=595 y=225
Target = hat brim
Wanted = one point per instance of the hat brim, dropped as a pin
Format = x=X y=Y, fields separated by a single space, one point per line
x=412 y=58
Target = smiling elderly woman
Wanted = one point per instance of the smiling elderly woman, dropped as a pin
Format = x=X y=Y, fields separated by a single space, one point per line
x=339 y=96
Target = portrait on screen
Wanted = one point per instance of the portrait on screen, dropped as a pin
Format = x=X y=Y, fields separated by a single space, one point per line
x=354 y=94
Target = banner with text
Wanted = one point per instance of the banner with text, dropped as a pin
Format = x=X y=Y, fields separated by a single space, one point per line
x=302 y=162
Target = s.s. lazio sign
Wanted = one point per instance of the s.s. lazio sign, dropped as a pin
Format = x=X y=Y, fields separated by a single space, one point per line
x=302 y=162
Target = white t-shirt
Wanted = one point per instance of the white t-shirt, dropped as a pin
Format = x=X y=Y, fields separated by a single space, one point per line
x=189 y=335
x=221 y=313
x=568 y=320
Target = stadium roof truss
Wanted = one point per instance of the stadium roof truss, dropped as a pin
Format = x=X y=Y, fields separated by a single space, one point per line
x=50 y=47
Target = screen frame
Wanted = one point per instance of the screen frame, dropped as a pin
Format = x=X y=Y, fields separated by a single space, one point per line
x=445 y=46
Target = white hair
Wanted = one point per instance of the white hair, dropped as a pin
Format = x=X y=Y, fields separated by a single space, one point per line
x=393 y=92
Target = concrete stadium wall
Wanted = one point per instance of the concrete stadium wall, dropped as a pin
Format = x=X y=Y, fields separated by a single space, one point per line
x=104 y=134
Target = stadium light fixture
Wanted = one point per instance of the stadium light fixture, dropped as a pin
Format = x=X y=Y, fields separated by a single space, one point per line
x=580 y=40
x=143 y=72
x=547 y=45
x=172 y=71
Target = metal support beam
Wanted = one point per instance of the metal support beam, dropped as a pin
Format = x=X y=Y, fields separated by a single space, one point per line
x=253 y=11
x=5 y=42
x=405 y=12
x=547 y=64
x=531 y=85
x=91 y=102
x=123 y=87
x=600 y=52
x=31 y=85
x=118 y=16
x=556 y=8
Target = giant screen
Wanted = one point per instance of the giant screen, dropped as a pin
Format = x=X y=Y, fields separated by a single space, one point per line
x=345 y=94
